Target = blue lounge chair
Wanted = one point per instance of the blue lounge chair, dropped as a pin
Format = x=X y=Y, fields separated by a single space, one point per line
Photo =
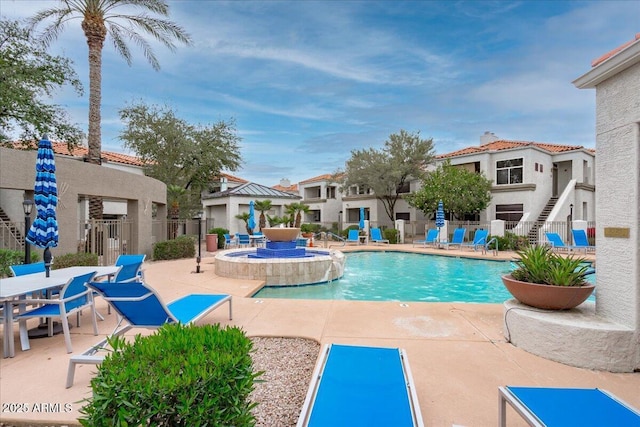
x=479 y=239
x=562 y=407
x=431 y=238
x=353 y=237
x=376 y=236
x=361 y=386
x=556 y=242
x=457 y=239
x=141 y=307
x=580 y=241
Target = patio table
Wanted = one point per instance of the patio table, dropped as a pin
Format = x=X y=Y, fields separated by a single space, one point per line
x=15 y=288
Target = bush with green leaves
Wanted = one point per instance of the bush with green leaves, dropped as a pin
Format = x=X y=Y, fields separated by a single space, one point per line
x=390 y=234
x=539 y=264
x=9 y=257
x=73 y=260
x=220 y=232
x=509 y=242
x=180 y=247
x=180 y=376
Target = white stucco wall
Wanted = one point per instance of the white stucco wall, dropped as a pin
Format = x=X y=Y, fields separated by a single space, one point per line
x=618 y=196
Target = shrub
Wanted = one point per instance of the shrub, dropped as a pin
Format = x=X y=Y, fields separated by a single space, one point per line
x=509 y=242
x=180 y=247
x=9 y=257
x=72 y=260
x=180 y=376
x=390 y=234
x=220 y=232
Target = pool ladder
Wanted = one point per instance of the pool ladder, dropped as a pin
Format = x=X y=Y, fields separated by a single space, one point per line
x=485 y=248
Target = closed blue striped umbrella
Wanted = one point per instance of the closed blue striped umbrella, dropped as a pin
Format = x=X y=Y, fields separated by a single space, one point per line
x=440 y=215
x=44 y=230
x=361 y=224
x=252 y=216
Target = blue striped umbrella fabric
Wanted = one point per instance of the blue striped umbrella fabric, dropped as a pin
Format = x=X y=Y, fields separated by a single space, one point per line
x=361 y=224
x=44 y=230
x=252 y=216
x=440 y=215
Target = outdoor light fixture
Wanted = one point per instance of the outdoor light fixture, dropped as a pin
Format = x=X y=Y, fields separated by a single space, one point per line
x=27 y=207
x=199 y=217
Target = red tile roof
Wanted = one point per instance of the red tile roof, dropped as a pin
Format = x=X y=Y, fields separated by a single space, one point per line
x=505 y=145
x=293 y=188
x=232 y=178
x=614 y=52
x=62 y=149
x=324 y=177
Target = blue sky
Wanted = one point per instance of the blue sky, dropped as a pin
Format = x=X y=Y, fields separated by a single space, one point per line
x=308 y=81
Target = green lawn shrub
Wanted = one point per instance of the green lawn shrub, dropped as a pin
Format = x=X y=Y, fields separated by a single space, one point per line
x=9 y=257
x=180 y=247
x=180 y=376
x=220 y=232
x=73 y=260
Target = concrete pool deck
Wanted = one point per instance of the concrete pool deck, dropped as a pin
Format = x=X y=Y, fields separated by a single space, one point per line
x=457 y=352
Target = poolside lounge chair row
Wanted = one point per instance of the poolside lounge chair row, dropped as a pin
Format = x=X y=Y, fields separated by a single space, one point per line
x=459 y=234
x=581 y=242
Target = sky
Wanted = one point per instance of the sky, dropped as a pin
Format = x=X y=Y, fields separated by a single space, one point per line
x=307 y=82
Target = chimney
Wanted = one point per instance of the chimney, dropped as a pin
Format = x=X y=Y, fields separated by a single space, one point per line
x=488 y=137
x=284 y=182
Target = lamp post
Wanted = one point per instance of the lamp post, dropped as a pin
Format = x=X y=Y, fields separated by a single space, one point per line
x=199 y=217
x=569 y=221
x=27 y=207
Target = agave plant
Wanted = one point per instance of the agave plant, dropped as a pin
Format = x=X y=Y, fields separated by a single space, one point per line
x=539 y=264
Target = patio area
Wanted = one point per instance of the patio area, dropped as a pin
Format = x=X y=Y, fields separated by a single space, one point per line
x=457 y=352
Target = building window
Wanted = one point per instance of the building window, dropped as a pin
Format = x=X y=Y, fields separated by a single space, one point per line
x=509 y=171
x=512 y=212
x=404 y=188
x=331 y=192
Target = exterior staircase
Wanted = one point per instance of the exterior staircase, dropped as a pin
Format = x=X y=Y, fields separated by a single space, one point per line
x=533 y=232
x=10 y=236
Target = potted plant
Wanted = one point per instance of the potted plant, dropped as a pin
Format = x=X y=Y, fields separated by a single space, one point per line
x=307 y=230
x=544 y=279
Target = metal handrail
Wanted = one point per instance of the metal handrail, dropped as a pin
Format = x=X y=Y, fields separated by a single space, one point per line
x=485 y=248
x=324 y=235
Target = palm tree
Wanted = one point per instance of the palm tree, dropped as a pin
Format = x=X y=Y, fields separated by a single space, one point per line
x=245 y=217
x=262 y=206
x=295 y=210
x=99 y=18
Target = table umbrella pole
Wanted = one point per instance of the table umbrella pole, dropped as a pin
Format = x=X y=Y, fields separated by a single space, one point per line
x=47 y=260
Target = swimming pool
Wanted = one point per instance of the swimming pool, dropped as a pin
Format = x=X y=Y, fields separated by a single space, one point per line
x=399 y=276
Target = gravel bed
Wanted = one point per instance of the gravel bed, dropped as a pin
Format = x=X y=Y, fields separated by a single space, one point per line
x=287 y=364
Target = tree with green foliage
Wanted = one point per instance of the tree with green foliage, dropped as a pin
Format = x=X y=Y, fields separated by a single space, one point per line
x=179 y=153
x=244 y=216
x=117 y=19
x=461 y=191
x=295 y=210
x=388 y=171
x=29 y=75
x=262 y=206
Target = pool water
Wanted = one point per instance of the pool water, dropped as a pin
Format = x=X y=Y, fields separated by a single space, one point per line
x=397 y=276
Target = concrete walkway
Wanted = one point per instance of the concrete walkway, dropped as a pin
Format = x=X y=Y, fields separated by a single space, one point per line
x=457 y=352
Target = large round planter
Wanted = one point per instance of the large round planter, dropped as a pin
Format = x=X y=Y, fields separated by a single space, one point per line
x=277 y=234
x=547 y=297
